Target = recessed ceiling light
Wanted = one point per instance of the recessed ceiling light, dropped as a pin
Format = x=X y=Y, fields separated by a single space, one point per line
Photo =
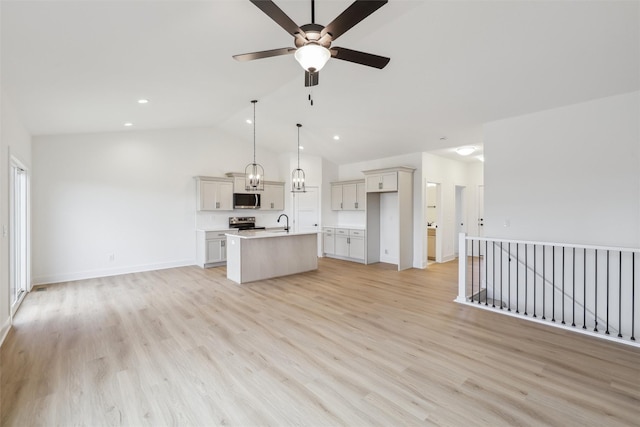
x=301 y=147
x=248 y=121
x=465 y=151
x=128 y=124
x=143 y=101
x=336 y=137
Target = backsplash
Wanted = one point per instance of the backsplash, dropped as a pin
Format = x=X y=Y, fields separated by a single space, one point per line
x=220 y=221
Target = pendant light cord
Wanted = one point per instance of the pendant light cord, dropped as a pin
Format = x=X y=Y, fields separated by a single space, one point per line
x=299 y=126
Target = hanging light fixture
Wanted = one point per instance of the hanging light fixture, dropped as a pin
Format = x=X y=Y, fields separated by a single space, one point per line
x=297 y=176
x=254 y=173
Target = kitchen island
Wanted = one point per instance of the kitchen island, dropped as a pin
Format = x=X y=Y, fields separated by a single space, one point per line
x=262 y=255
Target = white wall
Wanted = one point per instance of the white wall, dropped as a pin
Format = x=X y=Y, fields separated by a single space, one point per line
x=569 y=175
x=449 y=174
x=14 y=141
x=131 y=194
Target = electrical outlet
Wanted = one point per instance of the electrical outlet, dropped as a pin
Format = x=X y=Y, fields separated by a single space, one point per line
x=112 y=257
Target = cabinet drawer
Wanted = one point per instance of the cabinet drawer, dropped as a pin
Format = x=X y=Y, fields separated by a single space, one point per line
x=357 y=233
x=218 y=234
x=342 y=231
x=327 y=230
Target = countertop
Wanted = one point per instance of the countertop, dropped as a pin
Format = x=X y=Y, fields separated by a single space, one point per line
x=262 y=234
x=351 y=227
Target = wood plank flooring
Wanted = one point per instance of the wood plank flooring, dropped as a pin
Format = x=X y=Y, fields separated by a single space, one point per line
x=348 y=344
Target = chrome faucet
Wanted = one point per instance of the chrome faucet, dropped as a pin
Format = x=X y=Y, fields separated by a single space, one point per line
x=287 y=227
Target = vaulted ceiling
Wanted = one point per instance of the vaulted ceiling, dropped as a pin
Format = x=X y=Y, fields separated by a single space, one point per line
x=81 y=66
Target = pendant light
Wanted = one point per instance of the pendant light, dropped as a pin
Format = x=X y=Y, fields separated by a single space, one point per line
x=254 y=173
x=297 y=176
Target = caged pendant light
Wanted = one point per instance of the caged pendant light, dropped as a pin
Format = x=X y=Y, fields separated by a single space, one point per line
x=254 y=173
x=297 y=176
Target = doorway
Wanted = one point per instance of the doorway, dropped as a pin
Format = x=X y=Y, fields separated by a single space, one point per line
x=18 y=234
x=433 y=210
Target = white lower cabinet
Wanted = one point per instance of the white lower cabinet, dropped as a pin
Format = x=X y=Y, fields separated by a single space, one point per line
x=211 y=249
x=328 y=241
x=345 y=243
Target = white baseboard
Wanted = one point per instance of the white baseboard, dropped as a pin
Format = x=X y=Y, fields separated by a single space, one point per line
x=93 y=274
x=5 y=330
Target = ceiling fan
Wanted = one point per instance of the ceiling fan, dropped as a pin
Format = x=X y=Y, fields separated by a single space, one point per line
x=313 y=41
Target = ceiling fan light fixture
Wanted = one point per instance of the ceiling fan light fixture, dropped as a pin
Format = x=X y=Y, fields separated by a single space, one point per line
x=312 y=57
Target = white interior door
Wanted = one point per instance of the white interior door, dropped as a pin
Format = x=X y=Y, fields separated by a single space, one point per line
x=306 y=210
x=461 y=226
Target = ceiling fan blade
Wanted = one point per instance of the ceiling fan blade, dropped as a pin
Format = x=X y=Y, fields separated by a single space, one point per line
x=311 y=79
x=361 y=58
x=355 y=13
x=281 y=18
x=264 y=54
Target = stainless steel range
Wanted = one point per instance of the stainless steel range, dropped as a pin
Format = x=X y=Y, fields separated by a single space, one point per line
x=244 y=223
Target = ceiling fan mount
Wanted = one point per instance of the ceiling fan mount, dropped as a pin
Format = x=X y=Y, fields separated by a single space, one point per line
x=313 y=41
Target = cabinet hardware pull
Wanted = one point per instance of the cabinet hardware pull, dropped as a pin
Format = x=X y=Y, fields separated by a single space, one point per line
x=380 y=186
x=217 y=205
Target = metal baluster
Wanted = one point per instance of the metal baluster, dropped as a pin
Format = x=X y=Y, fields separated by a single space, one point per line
x=595 y=328
x=620 y=297
x=563 y=285
x=479 y=270
x=607 y=331
x=633 y=296
x=573 y=292
x=553 y=283
x=486 y=272
x=517 y=278
x=526 y=277
x=493 y=275
x=501 y=275
x=584 y=290
x=544 y=282
x=534 y=281
x=472 y=262
x=509 y=278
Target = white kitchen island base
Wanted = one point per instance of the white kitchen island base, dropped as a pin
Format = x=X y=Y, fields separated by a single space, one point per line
x=265 y=255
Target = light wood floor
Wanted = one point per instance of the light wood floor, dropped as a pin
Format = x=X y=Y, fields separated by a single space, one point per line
x=347 y=345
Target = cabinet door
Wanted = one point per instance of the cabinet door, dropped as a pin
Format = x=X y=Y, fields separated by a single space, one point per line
x=374 y=183
x=216 y=250
x=336 y=197
x=361 y=196
x=207 y=195
x=389 y=181
x=274 y=197
x=349 y=197
x=329 y=243
x=356 y=248
x=342 y=245
x=224 y=196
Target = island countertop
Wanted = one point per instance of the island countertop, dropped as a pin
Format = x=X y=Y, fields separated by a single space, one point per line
x=262 y=234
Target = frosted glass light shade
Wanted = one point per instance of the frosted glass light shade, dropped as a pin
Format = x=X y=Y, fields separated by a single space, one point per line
x=312 y=56
x=465 y=151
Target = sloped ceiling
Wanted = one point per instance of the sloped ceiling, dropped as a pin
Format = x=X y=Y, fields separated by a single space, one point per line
x=80 y=66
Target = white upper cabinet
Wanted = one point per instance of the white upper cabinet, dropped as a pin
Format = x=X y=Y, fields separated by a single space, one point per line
x=214 y=194
x=380 y=182
x=273 y=197
x=348 y=196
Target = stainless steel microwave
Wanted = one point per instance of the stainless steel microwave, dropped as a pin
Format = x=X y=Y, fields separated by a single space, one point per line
x=246 y=201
